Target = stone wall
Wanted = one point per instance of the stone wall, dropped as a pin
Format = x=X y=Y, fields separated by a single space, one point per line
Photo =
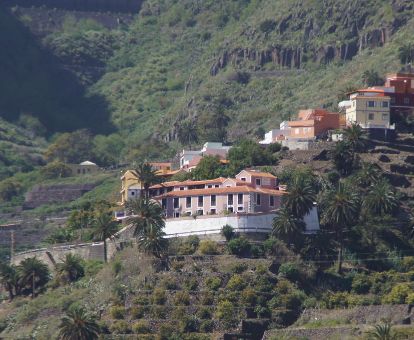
x=45 y=194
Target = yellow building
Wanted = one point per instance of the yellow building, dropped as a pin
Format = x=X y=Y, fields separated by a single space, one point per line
x=370 y=111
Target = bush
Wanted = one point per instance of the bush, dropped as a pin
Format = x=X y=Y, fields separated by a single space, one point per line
x=207 y=299
x=410 y=299
x=289 y=270
x=158 y=312
x=228 y=232
x=141 y=300
x=207 y=326
x=189 y=246
x=274 y=147
x=9 y=189
x=214 y=283
x=120 y=327
x=191 y=283
x=54 y=170
x=158 y=296
x=208 y=247
x=398 y=294
x=140 y=327
x=267 y=25
x=204 y=313
x=225 y=312
x=239 y=268
x=182 y=298
x=136 y=312
x=239 y=246
x=189 y=324
x=116 y=267
x=249 y=296
x=236 y=282
x=361 y=284
x=118 y=312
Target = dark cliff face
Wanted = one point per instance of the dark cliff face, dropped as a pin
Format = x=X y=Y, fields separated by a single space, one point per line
x=129 y=6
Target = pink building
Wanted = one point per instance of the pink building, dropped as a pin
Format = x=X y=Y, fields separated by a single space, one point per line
x=250 y=192
x=313 y=123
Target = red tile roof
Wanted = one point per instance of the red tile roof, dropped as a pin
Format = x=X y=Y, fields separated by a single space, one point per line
x=188 y=182
x=260 y=173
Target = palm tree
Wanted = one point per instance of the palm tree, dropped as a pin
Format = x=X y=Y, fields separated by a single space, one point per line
x=9 y=279
x=34 y=273
x=147 y=176
x=381 y=199
x=78 y=325
x=382 y=332
x=152 y=241
x=372 y=78
x=301 y=196
x=104 y=226
x=369 y=174
x=71 y=269
x=340 y=208
x=187 y=133
x=344 y=158
x=354 y=135
x=143 y=213
x=286 y=226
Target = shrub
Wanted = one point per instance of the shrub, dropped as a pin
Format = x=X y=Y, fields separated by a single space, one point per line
x=256 y=250
x=191 y=283
x=228 y=232
x=361 y=284
x=208 y=247
x=140 y=327
x=214 y=283
x=239 y=268
x=141 y=300
x=158 y=312
x=249 y=296
x=290 y=270
x=225 y=312
x=120 y=327
x=55 y=169
x=267 y=25
x=9 y=189
x=189 y=324
x=118 y=312
x=207 y=326
x=398 y=294
x=410 y=299
x=262 y=311
x=236 y=282
x=239 y=246
x=116 y=267
x=204 y=313
x=158 y=296
x=274 y=147
x=189 y=246
x=136 y=312
x=182 y=298
x=207 y=299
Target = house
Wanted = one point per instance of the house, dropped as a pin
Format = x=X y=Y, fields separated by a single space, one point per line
x=189 y=159
x=276 y=135
x=313 y=123
x=84 y=168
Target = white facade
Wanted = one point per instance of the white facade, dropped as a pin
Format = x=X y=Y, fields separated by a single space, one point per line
x=209 y=148
x=271 y=136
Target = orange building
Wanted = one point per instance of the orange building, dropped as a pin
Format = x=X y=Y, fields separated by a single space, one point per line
x=313 y=123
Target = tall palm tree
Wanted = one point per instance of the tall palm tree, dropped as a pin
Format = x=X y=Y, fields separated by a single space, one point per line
x=286 y=226
x=143 y=213
x=33 y=273
x=71 y=269
x=104 y=226
x=301 y=196
x=147 y=176
x=344 y=158
x=9 y=279
x=354 y=135
x=78 y=325
x=340 y=208
x=369 y=174
x=147 y=218
x=381 y=199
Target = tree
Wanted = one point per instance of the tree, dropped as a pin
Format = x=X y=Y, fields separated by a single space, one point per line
x=73 y=147
x=71 y=269
x=344 y=158
x=380 y=199
x=287 y=227
x=372 y=78
x=406 y=53
x=228 y=232
x=55 y=169
x=104 y=226
x=147 y=176
x=78 y=325
x=108 y=149
x=208 y=168
x=33 y=273
x=147 y=218
x=301 y=196
x=369 y=174
x=354 y=135
x=9 y=279
x=187 y=133
x=340 y=208
x=9 y=189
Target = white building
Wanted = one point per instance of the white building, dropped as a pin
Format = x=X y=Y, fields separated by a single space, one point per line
x=190 y=158
x=275 y=135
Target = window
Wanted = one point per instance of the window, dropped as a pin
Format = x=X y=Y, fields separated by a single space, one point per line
x=200 y=201
x=213 y=200
x=243 y=179
x=371 y=103
x=258 y=198
x=133 y=193
x=176 y=202
x=272 y=201
x=216 y=186
x=258 y=181
x=164 y=203
x=370 y=116
x=230 y=199
x=181 y=188
x=385 y=116
x=200 y=212
x=384 y=104
x=212 y=211
x=188 y=202
x=406 y=100
x=176 y=214
x=209 y=186
x=240 y=199
x=230 y=209
x=239 y=208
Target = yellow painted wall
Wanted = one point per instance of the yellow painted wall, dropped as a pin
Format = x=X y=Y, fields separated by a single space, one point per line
x=369 y=116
